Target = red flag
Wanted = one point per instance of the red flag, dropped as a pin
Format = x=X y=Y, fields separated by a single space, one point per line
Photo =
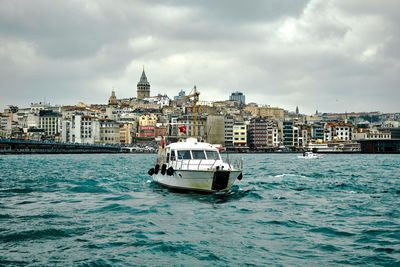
x=182 y=129
x=163 y=142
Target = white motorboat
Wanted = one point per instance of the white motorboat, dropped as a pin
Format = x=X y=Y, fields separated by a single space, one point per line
x=192 y=165
x=310 y=155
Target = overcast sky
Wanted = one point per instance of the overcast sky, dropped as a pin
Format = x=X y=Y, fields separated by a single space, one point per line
x=334 y=56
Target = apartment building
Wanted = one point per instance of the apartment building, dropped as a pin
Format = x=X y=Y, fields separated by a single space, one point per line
x=109 y=131
x=239 y=134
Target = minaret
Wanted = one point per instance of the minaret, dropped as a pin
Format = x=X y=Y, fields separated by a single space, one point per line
x=143 y=87
x=297 y=110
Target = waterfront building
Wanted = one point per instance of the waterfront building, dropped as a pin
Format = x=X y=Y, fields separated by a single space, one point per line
x=21 y=117
x=65 y=130
x=10 y=111
x=394 y=131
x=317 y=132
x=82 y=129
x=126 y=133
x=35 y=134
x=263 y=134
x=290 y=135
x=143 y=87
x=239 y=97
x=380 y=146
x=228 y=126
x=273 y=138
x=371 y=134
x=5 y=125
x=216 y=130
x=240 y=135
x=304 y=135
x=49 y=122
x=109 y=132
x=338 y=131
x=257 y=134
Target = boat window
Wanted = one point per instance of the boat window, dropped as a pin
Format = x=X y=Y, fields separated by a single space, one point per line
x=167 y=157
x=212 y=155
x=198 y=154
x=173 y=155
x=184 y=154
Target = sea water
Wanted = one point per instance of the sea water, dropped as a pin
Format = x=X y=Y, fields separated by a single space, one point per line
x=103 y=209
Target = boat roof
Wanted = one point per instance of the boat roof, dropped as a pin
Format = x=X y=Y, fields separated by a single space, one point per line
x=192 y=143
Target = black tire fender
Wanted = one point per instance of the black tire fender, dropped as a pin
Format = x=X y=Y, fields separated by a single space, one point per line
x=170 y=171
x=163 y=169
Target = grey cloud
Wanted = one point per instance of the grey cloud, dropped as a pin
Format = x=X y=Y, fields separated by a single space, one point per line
x=282 y=53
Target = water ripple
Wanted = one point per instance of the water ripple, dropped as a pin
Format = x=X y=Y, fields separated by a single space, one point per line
x=99 y=210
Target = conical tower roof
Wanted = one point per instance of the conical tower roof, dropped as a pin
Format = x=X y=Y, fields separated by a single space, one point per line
x=143 y=78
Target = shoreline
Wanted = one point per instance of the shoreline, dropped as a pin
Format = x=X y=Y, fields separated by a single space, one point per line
x=155 y=153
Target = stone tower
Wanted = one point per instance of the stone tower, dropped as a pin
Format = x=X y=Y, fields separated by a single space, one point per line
x=112 y=101
x=143 y=87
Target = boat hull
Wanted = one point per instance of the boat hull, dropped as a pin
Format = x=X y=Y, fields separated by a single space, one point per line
x=310 y=157
x=210 y=181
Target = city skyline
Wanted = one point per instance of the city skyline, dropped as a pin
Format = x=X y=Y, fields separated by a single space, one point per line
x=319 y=55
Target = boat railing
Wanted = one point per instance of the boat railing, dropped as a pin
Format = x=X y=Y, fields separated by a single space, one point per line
x=201 y=164
x=212 y=166
x=190 y=164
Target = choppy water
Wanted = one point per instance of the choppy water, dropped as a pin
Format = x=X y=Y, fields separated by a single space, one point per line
x=95 y=210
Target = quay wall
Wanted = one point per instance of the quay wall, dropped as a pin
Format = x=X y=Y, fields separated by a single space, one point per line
x=15 y=146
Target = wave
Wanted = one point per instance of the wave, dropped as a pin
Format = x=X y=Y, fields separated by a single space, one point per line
x=51 y=233
x=288 y=223
x=88 y=189
x=330 y=231
x=119 y=208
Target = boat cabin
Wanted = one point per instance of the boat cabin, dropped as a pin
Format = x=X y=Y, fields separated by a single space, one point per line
x=190 y=155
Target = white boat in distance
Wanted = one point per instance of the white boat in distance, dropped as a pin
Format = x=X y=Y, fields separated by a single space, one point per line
x=195 y=166
x=310 y=155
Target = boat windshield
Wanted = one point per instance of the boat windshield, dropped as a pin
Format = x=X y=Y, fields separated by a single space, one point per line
x=198 y=154
x=184 y=154
x=212 y=154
